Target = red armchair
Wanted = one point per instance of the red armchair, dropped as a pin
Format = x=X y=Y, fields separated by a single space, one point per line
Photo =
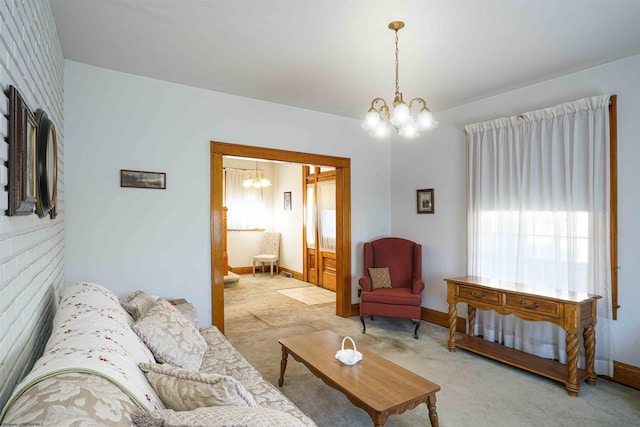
x=397 y=294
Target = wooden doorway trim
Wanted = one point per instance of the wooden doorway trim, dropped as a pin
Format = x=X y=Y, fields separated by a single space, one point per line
x=343 y=219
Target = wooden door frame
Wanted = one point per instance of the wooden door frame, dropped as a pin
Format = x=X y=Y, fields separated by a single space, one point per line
x=343 y=219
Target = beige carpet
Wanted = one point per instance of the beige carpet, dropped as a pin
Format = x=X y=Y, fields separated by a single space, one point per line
x=475 y=391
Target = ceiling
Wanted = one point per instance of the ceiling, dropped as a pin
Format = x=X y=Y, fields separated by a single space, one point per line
x=336 y=56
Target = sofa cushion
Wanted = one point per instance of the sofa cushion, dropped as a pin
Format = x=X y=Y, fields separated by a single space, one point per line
x=185 y=390
x=171 y=337
x=380 y=277
x=137 y=303
x=218 y=416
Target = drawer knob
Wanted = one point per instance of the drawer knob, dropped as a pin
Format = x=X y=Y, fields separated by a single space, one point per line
x=482 y=295
x=524 y=305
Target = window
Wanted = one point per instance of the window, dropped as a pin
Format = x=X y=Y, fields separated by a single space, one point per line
x=541 y=210
x=246 y=204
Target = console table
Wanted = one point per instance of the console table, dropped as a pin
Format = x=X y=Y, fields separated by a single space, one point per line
x=572 y=311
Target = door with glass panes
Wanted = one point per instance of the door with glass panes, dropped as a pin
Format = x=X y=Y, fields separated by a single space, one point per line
x=320 y=226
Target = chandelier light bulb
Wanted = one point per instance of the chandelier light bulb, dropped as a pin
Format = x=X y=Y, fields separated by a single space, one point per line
x=401 y=114
x=381 y=130
x=371 y=119
x=408 y=129
x=425 y=119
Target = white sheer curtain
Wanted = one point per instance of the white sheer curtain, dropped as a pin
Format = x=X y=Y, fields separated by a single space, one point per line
x=538 y=213
x=245 y=204
x=327 y=215
x=311 y=216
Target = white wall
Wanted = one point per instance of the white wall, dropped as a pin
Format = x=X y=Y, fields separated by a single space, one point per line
x=438 y=161
x=158 y=241
x=290 y=222
x=31 y=249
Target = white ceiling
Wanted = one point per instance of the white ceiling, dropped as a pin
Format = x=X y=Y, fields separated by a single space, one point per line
x=336 y=56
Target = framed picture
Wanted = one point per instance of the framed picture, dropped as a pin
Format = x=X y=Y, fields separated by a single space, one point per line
x=143 y=179
x=426 y=202
x=287 y=200
x=21 y=174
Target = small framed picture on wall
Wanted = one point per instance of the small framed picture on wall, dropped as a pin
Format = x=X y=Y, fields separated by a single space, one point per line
x=426 y=202
x=287 y=200
x=143 y=179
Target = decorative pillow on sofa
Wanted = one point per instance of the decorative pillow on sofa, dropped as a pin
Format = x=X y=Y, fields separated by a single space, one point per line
x=171 y=337
x=217 y=416
x=137 y=303
x=185 y=390
x=380 y=277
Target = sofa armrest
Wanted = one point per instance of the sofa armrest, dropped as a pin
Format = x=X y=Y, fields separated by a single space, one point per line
x=365 y=283
x=417 y=286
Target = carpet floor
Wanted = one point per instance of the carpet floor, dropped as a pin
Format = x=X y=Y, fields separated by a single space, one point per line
x=476 y=391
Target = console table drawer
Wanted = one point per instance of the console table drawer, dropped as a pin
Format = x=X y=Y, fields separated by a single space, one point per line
x=533 y=305
x=475 y=294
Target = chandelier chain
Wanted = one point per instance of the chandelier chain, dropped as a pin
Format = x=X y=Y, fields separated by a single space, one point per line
x=397 y=52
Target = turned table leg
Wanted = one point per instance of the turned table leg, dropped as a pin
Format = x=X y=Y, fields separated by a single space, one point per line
x=453 y=314
x=573 y=347
x=589 y=335
x=433 y=415
x=471 y=314
x=283 y=365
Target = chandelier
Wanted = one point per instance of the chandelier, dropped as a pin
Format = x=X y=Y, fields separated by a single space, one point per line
x=256 y=178
x=407 y=119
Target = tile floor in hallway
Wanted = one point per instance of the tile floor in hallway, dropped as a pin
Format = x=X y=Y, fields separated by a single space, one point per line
x=310 y=295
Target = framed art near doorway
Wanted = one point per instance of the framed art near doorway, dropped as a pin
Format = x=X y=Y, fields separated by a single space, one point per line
x=425 y=201
x=287 y=200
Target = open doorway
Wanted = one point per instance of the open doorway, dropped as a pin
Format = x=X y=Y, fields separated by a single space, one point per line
x=343 y=219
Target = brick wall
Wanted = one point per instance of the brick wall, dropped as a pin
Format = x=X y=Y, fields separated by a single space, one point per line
x=31 y=249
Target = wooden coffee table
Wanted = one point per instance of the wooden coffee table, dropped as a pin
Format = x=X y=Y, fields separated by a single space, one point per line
x=375 y=384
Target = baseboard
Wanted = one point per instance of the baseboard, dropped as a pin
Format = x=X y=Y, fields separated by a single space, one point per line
x=355 y=309
x=249 y=270
x=626 y=374
x=241 y=270
x=432 y=316
x=442 y=319
x=294 y=274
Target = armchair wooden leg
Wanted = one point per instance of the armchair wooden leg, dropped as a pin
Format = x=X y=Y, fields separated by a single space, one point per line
x=254 y=269
x=364 y=327
x=415 y=332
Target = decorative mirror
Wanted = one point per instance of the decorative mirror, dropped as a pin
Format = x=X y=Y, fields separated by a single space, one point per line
x=46 y=166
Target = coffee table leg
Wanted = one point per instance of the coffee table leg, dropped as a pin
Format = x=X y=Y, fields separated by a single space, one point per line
x=283 y=365
x=433 y=415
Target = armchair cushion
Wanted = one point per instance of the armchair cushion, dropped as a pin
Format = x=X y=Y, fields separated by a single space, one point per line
x=395 y=296
x=380 y=277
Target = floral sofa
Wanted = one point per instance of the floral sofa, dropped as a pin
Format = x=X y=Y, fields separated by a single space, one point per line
x=141 y=361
